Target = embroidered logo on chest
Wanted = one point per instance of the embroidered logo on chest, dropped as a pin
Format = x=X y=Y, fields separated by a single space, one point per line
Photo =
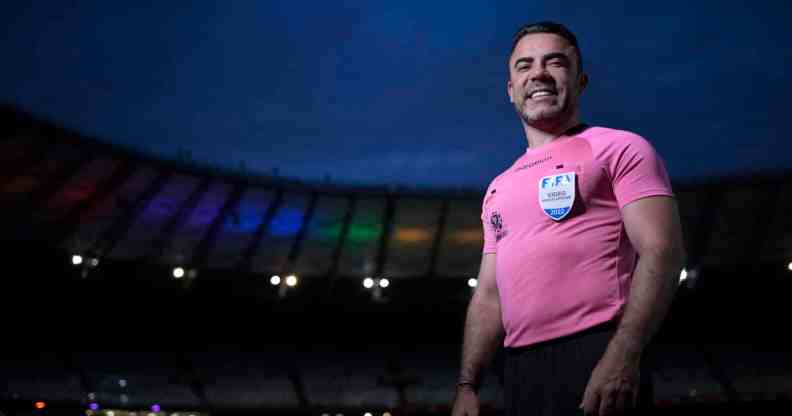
x=557 y=194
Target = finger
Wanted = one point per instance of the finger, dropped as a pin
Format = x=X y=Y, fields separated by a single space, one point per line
x=606 y=404
x=591 y=402
x=621 y=402
x=587 y=395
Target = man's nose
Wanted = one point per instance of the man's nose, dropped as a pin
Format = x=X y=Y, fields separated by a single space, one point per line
x=539 y=73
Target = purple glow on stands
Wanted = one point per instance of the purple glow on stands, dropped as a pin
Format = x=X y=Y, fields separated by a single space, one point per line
x=155 y=408
x=93 y=406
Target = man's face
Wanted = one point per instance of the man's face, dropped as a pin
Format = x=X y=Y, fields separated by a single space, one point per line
x=544 y=80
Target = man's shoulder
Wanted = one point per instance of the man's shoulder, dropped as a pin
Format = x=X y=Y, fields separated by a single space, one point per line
x=493 y=184
x=606 y=142
x=606 y=135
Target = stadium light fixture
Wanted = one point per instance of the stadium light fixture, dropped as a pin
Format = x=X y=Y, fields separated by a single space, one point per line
x=384 y=283
x=155 y=408
x=683 y=275
x=291 y=280
x=789 y=266
x=367 y=414
x=472 y=282
x=94 y=406
x=39 y=405
x=368 y=283
x=275 y=280
x=178 y=273
x=77 y=259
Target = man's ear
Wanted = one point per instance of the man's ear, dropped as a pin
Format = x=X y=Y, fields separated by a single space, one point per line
x=582 y=83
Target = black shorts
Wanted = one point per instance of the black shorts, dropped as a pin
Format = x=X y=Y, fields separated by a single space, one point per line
x=549 y=378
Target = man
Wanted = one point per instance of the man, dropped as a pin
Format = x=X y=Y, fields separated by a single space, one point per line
x=582 y=249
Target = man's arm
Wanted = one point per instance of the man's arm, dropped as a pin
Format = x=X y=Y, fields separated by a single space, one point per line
x=483 y=335
x=654 y=229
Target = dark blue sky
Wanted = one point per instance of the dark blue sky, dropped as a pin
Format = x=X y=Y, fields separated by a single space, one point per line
x=408 y=92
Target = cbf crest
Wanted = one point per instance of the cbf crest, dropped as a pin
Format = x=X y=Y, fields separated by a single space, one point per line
x=497 y=225
x=557 y=194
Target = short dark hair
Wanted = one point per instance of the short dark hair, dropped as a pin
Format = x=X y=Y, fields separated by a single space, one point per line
x=548 y=27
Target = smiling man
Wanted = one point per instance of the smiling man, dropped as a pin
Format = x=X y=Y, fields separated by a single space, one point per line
x=582 y=249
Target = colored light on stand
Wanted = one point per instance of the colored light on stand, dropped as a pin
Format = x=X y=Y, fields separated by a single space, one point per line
x=40 y=405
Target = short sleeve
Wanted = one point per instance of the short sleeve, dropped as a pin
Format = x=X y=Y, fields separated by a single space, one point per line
x=489 y=232
x=637 y=171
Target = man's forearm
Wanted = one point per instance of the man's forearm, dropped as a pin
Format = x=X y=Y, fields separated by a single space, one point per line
x=483 y=335
x=653 y=287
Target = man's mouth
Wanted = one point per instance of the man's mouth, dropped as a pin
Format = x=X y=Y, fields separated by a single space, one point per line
x=541 y=93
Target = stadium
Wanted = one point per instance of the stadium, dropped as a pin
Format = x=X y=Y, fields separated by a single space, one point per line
x=138 y=282
x=107 y=251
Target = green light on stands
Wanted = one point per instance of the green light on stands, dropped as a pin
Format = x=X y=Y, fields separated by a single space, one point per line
x=358 y=232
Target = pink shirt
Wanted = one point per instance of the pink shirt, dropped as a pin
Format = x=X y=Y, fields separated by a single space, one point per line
x=559 y=277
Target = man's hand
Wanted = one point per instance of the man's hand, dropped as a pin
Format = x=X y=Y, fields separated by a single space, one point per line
x=613 y=386
x=466 y=402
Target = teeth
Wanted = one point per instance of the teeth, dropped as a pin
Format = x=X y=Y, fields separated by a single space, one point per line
x=541 y=94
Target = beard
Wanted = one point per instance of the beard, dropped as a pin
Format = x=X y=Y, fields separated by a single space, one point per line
x=545 y=117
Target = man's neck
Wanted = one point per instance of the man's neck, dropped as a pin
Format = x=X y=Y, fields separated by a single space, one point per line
x=539 y=136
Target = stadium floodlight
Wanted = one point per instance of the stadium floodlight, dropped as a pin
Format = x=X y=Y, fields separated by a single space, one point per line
x=291 y=280
x=683 y=275
x=789 y=266
x=368 y=283
x=122 y=382
x=367 y=414
x=178 y=272
x=386 y=414
x=94 y=262
x=40 y=405
x=384 y=283
x=472 y=282
x=77 y=259
x=275 y=280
